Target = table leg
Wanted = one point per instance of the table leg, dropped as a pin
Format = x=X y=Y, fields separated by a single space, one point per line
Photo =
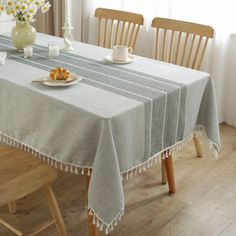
x=12 y=207
x=197 y=146
x=92 y=229
x=170 y=173
x=163 y=172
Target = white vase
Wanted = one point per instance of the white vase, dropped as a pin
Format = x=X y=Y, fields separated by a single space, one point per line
x=23 y=34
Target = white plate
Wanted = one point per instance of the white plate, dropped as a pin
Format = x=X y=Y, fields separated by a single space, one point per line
x=130 y=59
x=57 y=83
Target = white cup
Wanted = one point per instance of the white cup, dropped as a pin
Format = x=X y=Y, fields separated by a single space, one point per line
x=28 y=51
x=121 y=53
x=53 y=50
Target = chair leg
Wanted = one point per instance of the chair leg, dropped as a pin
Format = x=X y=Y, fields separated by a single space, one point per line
x=93 y=230
x=11 y=228
x=163 y=172
x=197 y=146
x=55 y=211
x=170 y=173
x=12 y=207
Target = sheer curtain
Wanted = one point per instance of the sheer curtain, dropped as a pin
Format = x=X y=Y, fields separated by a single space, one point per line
x=221 y=16
x=149 y=8
x=221 y=54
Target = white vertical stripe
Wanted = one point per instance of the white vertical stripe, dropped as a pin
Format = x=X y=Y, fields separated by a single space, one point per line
x=177 y=120
x=164 y=123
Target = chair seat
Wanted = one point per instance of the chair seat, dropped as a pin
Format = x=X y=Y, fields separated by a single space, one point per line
x=21 y=174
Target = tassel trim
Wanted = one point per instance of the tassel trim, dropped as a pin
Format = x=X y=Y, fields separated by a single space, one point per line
x=86 y=170
x=144 y=166
x=63 y=166
x=104 y=226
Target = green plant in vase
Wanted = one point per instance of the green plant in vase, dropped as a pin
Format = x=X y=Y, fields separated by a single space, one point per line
x=23 y=12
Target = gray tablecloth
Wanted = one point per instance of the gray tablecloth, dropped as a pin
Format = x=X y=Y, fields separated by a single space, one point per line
x=118 y=119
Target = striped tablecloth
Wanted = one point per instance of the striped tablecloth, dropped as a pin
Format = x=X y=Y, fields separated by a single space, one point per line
x=117 y=120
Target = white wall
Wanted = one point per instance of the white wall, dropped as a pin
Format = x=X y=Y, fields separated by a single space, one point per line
x=230 y=83
x=5 y=24
x=76 y=11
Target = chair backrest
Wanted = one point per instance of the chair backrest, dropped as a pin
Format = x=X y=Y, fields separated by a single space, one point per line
x=117 y=27
x=182 y=43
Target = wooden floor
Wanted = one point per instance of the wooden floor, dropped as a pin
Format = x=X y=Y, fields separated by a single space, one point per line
x=204 y=205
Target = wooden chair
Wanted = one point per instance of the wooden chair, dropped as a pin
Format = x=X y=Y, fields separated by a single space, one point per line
x=120 y=27
x=181 y=43
x=21 y=175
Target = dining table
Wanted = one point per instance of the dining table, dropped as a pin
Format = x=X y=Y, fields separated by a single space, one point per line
x=114 y=122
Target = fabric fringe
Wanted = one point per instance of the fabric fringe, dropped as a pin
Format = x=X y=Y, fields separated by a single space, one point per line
x=100 y=224
x=214 y=148
x=68 y=167
x=198 y=131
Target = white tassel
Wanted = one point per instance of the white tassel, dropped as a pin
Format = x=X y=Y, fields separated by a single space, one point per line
x=66 y=169
x=101 y=227
x=127 y=176
x=131 y=174
x=140 y=170
x=88 y=172
x=107 y=230
x=111 y=228
x=115 y=222
x=76 y=171
x=71 y=169
x=82 y=171
x=94 y=220
x=163 y=156
x=98 y=224
x=151 y=162
x=119 y=217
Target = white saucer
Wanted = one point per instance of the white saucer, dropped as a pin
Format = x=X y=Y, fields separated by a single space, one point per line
x=57 y=83
x=130 y=59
